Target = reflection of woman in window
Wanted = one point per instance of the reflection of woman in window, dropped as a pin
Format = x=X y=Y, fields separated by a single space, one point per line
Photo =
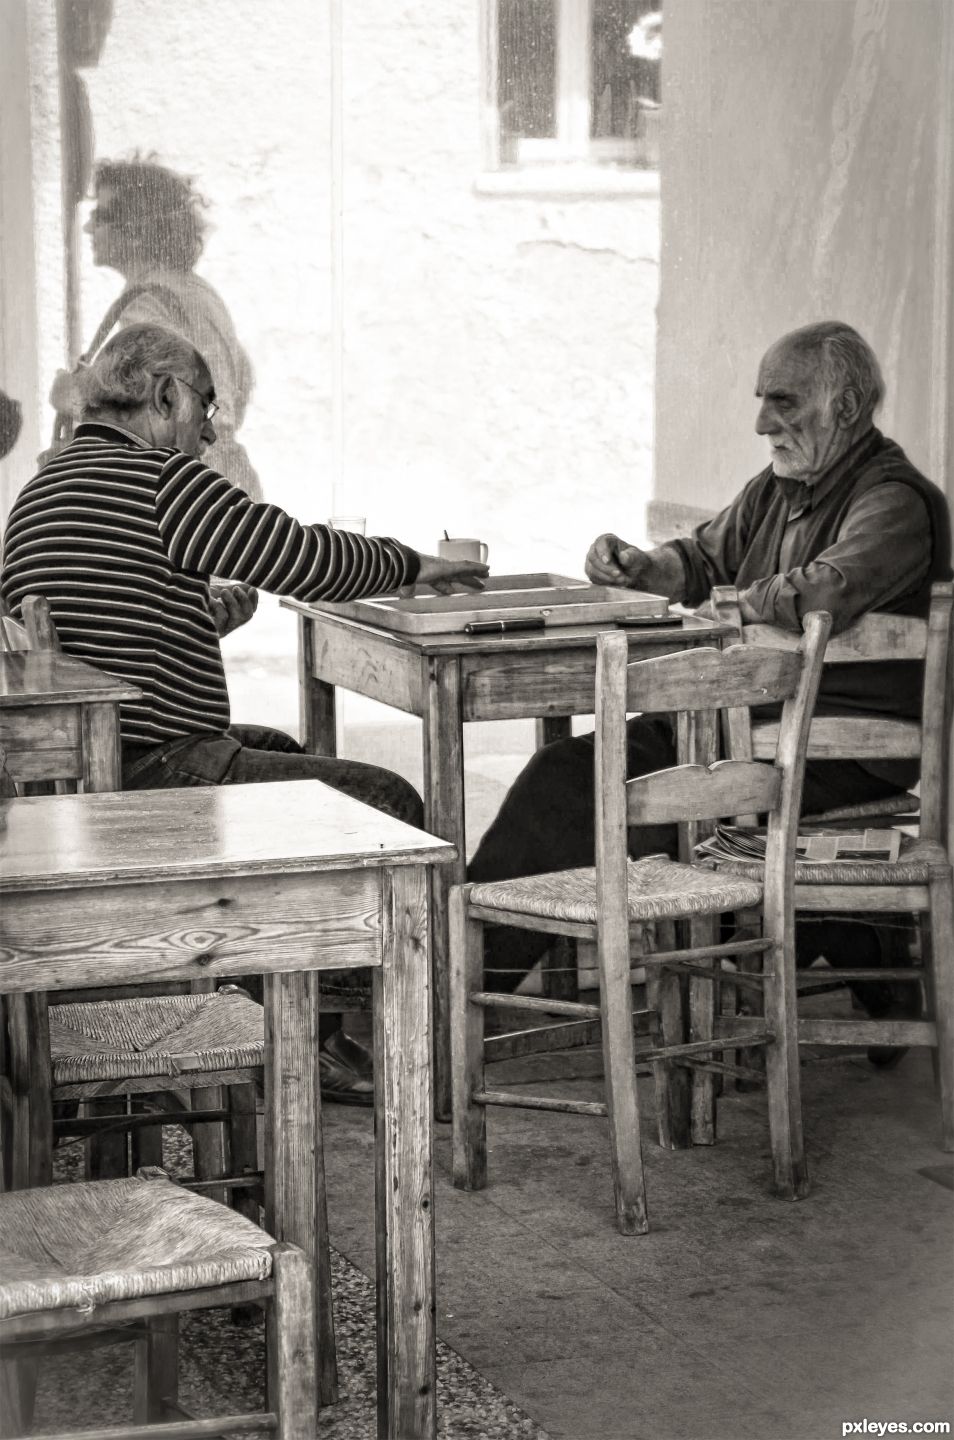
x=147 y=224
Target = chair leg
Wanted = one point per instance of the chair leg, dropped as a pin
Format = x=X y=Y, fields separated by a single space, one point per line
x=939 y=974
x=209 y=1141
x=107 y=1153
x=467 y=1044
x=243 y=1146
x=18 y=1381
x=664 y=994
x=782 y=1075
x=622 y=1100
x=145 y=1142
x=291 y=1343
x=31 y=1145
x=750 y=1001
x=156 y=1369
x=703 y=931
x=558 y=969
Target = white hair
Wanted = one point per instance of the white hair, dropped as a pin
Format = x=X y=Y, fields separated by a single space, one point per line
x=119 y=376
x=844 y=360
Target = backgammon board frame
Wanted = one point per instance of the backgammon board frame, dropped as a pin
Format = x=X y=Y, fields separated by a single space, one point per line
x=555 y=599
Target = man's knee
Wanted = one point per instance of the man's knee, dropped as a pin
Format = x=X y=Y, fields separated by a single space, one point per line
x=263 y=737
x=405 y=803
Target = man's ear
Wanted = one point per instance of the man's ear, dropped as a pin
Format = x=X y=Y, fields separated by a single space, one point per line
x=165 y=397
x=848 y=407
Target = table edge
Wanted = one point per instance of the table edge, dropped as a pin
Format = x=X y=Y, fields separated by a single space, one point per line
x=460 y=644
x=440 y=854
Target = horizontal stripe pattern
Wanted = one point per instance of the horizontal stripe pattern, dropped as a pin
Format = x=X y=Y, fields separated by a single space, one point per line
x=122 y=538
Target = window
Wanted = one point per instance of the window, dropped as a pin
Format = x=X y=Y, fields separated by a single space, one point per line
x=573 y=82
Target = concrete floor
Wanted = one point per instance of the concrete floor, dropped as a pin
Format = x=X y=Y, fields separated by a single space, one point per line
x=738 y=1315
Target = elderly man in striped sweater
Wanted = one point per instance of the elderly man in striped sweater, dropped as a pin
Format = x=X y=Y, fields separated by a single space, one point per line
x=121 y=532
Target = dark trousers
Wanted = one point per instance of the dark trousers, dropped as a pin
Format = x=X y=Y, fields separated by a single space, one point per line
x=546 y=823
x=253 y=754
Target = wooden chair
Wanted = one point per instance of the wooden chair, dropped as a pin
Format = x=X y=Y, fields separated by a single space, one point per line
x=620 y=901
x=130 y=1061
x=920 y=881
x=119 y=1260
x=170 y=1046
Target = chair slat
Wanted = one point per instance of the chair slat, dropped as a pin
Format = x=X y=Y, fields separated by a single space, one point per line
x=697 y=792
x=877 y=636
x=61 y=763
x=706 y=679
x=835 y=737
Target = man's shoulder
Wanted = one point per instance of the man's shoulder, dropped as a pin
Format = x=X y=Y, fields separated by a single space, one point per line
x=887 y=465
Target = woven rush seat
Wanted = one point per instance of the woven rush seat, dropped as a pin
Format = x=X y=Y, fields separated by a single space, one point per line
x=659 y=889
x=155 y=1035
x=902 y=803
x=916 y=863
x=89 y=1243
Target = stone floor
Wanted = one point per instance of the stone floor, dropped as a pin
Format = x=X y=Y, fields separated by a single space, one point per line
x=738 y=1315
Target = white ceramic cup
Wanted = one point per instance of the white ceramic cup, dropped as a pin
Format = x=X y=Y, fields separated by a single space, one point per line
x=355 y=523
x=458 y=549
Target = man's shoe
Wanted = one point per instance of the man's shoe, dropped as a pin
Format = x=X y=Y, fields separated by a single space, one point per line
x=346 y=1071
x=350 y=1053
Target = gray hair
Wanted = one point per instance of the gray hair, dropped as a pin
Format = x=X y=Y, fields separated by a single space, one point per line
x=844 y=359
x=119 y=376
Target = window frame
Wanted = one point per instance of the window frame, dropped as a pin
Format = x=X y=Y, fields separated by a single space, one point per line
x=572 y=161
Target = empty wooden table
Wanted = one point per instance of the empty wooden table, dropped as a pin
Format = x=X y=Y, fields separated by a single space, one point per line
x=447 y=679
x=59 y=719
x=287 y=879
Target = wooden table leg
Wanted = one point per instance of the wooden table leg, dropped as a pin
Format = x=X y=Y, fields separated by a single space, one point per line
x=403 y=1194
x=552 y=727
x=444 y=817
x=102 y=761
x=317 y=728
x=294 y=1162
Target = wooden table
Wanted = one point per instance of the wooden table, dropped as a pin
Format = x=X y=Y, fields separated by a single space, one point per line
x=287 y=879
x=59 y=719
x=447 y=679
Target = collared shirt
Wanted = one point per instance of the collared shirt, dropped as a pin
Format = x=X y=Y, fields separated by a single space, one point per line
x=121 y=537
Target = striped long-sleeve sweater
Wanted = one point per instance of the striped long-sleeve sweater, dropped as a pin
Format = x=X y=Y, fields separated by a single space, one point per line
x=122 y=538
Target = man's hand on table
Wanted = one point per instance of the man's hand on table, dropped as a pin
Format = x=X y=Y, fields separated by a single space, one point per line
x=232 y=605
x=449 y=576
x=610 y=561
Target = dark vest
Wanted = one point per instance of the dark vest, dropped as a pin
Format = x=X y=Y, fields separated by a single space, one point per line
x=892 y=688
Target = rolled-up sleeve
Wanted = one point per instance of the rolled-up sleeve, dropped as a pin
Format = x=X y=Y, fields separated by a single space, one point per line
x=882 y=551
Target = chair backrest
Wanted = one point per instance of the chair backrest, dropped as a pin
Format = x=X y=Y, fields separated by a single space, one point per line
x=704 y=680
x=45 y=754
x=875 y=637
x=36 y=631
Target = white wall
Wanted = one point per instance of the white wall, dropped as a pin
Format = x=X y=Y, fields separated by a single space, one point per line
x=498 y=351
x=803 y=145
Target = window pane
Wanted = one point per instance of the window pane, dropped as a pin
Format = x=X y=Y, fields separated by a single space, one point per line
x=627 y=45
x=526 y=76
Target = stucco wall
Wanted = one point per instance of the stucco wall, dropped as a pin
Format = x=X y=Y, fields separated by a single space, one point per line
x=498 y=352
x=801 y=150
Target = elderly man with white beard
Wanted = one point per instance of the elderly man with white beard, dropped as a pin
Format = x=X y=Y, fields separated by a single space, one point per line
x=839 y=521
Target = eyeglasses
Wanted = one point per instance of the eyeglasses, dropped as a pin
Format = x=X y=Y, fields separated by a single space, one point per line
x=211 y=406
